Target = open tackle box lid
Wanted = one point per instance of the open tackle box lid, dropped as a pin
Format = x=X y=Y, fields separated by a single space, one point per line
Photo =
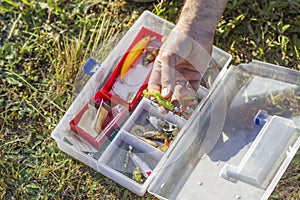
x=254 y=112
x=214 y=152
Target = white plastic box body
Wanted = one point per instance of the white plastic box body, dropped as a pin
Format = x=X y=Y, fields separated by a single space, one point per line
x=75 y=146
x=188 y=163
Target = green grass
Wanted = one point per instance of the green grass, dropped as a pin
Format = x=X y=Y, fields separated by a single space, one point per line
x=42 y=46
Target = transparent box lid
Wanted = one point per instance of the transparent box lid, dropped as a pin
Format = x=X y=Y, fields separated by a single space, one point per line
x=241 y=140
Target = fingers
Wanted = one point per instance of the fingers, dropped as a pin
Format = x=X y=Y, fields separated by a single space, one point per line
x=162 y=78
x=167 y=74
x=181 y=92
x=180 y=59
x=184 y=98
x=154 y=83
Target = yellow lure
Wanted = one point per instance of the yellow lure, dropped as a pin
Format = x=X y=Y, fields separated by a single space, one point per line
x=134 y=53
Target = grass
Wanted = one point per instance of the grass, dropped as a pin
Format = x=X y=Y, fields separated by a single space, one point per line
x=42 y=46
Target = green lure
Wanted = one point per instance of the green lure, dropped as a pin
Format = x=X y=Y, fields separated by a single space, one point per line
x=160 y=100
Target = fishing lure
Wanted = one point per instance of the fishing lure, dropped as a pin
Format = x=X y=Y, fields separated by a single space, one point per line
x=164 y=147
x=128 y=154
x=155 y=135
x=145 y=169
x=163 y=125
x=150 y=56
x=154 y=121
x=134 y=53
x=160 y=100
x=137 y=175
x=138 y=131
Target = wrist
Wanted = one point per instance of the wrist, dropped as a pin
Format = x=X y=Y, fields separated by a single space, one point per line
x=196 y=36
x=191 y=25
x=200 y=16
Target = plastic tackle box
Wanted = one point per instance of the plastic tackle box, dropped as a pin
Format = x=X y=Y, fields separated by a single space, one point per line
x=236 y=144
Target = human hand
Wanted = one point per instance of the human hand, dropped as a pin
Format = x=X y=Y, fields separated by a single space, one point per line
x=182 y=60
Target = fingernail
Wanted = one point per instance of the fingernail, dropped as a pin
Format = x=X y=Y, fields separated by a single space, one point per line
x=165 y=91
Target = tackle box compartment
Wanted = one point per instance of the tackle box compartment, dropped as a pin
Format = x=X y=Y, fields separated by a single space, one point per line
x=227 y=149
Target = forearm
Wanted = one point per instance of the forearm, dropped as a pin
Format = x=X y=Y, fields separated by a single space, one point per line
x=200 y=16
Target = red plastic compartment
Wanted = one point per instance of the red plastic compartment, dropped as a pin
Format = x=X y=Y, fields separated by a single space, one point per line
x=114 y=78
x=110 y=124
